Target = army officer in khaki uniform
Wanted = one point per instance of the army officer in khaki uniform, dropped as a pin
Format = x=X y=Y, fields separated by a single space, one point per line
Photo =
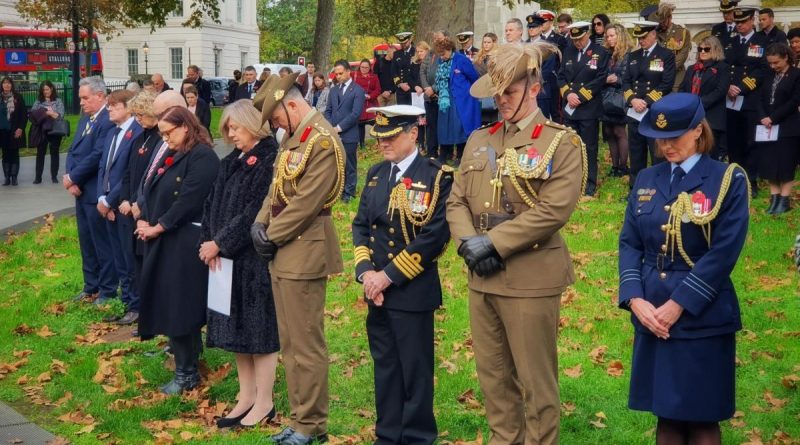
x=295 y=232
x=671 y=36
x=519 y=181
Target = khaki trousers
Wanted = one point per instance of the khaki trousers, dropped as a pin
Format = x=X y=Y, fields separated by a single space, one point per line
x=514 y=340
x=300 y=306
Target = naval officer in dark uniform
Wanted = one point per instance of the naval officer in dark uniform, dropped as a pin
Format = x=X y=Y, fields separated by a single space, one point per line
x=465 y=44
x=399 y=233
x=685 y=226
x=748 y=70
x=581 y=80
x=726 y=30
x=401 y=68
x=650 y=76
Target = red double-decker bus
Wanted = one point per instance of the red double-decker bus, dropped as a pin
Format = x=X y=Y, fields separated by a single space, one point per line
x=24 y=52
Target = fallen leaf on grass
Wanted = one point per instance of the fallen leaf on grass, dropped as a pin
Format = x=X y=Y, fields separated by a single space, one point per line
x=598 y=420
x=468 y=399
x=186 y=435
x=85 y=430
x=58 y=441
x=50 y=274
x=574 y=372
x=58 y=366
x=597 y=355
x=773 y=401
x=478 y=440
x=615 y=369
x=45 y=332
x=449 y=366
x=56 y=309
x=568 y=408
x=22 y=354
x=44 y=377
x=790 y=381
x=22 y=329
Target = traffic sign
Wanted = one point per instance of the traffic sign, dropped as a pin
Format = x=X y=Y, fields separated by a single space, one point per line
x=301 y=60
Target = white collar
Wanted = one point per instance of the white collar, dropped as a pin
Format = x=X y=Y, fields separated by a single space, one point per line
x=748 y=36
x=94 y=116
x=125 y=125
x=405 y=163
x=650 y=50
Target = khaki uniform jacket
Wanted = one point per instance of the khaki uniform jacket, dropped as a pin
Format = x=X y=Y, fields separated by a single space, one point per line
x=537 y=263
x=678 y=40
x=308 y=247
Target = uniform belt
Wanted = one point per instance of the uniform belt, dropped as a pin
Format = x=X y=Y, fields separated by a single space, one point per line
x=487 y=221
x=277 y=209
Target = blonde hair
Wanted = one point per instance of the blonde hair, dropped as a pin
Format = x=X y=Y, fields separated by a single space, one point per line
x=717 y=53
x=246 y=115
x=481 y=52
x=704 y=143
x=142 y=103
x=624 y=43
x=424 y=46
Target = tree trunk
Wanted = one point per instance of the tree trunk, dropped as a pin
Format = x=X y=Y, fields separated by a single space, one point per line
x=323 y=32
x=75 y=63
x=452 y=15
x=89 y=46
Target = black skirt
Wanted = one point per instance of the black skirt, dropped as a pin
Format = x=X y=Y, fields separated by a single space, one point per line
x=778 y=160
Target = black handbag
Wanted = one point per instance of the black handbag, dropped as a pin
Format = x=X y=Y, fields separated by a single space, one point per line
x=613 y=102
x=60 y=128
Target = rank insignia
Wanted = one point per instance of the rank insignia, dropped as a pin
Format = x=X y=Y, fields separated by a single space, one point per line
x=306 y=132
x=325 y=144
x=373 y=182
x=661 y=121
x=701 y=205
x=279 y=95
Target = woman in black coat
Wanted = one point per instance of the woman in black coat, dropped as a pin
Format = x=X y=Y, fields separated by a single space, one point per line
x=709 y=78
x=198 y=106
x=251 y=329
x=13 y=119
x=174 y=282
x=778 y=107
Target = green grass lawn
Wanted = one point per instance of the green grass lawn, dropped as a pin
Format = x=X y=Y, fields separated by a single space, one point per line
x=106 y=393
x=216 y=113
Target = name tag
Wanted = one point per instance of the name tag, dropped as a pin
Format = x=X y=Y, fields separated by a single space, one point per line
x=657 y=65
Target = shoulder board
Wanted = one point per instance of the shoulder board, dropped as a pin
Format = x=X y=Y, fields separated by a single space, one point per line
x=439 y=166
x=321 y=129
x=306 y=133
x=550 y=123
x=488 y=126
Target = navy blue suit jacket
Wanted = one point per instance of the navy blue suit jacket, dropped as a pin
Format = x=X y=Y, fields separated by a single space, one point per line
x=344 y=110
x=705 y=291
x=85 y=153
x=119 y=165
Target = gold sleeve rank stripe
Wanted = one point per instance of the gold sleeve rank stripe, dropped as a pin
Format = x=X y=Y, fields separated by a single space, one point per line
x=655 y=95
x=564 y=89
x=408 y=264
x=749 y=82
x=628 y=94
x=361 y=253
x=586 y=93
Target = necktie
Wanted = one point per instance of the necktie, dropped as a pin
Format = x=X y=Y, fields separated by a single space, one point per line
x=393 y=178
x=677 y=175
x=580 y=53
x=730 y=28
x=646 y=54
x=156 y=158
x=250 y=89
x=743 y=41
x=111 y=153
x=88 y=126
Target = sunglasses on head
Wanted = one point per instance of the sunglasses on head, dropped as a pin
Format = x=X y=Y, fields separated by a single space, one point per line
x=703 y=49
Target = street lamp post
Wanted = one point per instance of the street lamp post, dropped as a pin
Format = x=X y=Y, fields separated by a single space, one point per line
x=146 y=50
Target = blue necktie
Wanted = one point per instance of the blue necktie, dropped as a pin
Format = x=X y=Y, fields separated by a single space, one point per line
x=111 y=153
x=677 y=175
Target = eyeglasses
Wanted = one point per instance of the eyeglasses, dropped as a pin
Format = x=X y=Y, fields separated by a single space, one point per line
x=166 y=134
x=703 y=49
x=598 y=23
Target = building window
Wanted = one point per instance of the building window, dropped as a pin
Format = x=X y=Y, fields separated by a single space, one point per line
x=239 y=11
x=178 y=12
x=217 y=52
x=243 y=60
x=133 y=62
x=176 y=62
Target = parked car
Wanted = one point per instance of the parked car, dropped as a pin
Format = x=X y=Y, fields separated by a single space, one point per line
x=219 y=90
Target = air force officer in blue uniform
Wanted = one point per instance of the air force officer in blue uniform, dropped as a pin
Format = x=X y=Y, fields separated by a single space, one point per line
x=83 y=159
x=684 y=229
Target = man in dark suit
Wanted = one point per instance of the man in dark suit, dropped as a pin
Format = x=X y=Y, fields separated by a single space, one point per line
x=581 y=80
x=345 y=104
x=233 y=85
x=650 y=76
x=726 y=30
x=548 y=95
x=248 y=88
x=306 y=81
x=80 y=180
x=113 y=167
x=400 y=273
x=748 y=69
x=158 y=83
x=202 y=85
x=766 y=19
x=401 y=68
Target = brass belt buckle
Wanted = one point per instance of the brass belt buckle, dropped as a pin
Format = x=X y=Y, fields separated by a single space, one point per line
x=483 y=222
x=660 y=262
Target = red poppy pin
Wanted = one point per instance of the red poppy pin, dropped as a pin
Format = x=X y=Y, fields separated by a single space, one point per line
x=698 y=66
x=141 y=151
x=160 y=171
x=713 y=70
x=169 y=161
x=305 y=134
x=589 y=52
x=129 y=134
x=407 y=182
x=252 y=160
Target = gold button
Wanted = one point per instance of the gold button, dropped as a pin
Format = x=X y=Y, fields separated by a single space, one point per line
x=536 y=246
x=667 y=208
x=391 y=229
x=175 y=193
x=371 y=251
x=372 y=238
x=471 y=167
x=178 y=179
x=390 y=256
x=299 y=236
x=391 y=243
x=374 y=226
x=663 y=275
x=663 y=227
x=486 y=205
x=663 y=247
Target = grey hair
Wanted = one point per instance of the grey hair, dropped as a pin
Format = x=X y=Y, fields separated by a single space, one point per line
x=246 y=115
x=95 y=84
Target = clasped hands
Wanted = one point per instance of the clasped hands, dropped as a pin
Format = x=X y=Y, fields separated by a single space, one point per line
x=375 y=282
x=209 y=254
x=658 y=320
x=145 y=232
x=262 y=244
x=480 y=255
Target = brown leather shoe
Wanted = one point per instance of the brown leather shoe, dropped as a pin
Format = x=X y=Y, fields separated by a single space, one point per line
x=130 y=317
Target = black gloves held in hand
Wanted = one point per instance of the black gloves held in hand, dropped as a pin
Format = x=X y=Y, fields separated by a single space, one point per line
x=476 y=248
x=489 y=266
x=262 y=244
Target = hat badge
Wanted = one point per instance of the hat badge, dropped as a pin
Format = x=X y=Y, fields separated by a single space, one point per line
x=279 y=95
x=661 y=121
x=530 y=19
x=637 y=28
x=381 y=120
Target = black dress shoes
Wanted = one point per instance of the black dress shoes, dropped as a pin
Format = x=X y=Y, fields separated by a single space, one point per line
x=291 y=437
x=227 y=422
x=130 y=317
x=85 y=296
x=266 y=419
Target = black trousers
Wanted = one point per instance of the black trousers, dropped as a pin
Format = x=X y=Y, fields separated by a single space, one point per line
x=588 y=130
x=350 y=169
x=55 y=143
x=362 y=132
x=9 y=147
x=431 y=136
x=639 y=147
x=741 y=141
x=401 y=344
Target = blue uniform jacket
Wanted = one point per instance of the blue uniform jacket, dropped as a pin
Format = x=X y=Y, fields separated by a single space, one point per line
x=705 y=291
x=462 y=76
x=119 y=166
x=84 y=155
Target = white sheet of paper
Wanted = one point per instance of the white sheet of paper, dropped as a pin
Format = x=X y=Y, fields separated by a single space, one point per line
x=418 y=100
x=220 y=283
x=636 y=115
x=764 y=134
x=569 y=110
x=735 y=104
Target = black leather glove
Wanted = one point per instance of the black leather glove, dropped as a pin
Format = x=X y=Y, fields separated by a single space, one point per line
x=262 y=244
x=476 y=248
x=488 y=266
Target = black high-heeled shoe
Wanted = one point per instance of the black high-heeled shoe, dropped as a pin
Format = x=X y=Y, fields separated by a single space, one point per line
x=264 y=420
x=227 y=422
